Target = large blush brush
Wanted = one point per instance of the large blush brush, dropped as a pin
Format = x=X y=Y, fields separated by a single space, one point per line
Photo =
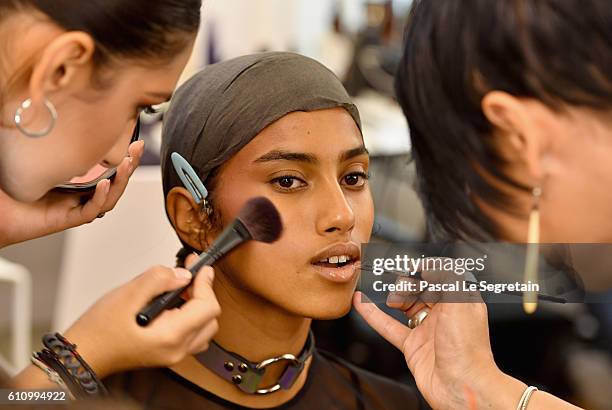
x=258 y=221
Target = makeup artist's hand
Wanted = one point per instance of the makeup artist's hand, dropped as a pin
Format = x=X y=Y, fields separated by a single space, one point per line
x=449 y=353
x=58 y=211
x=109 y=339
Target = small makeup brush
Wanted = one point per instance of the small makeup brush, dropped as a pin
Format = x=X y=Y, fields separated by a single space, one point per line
x=258 y=221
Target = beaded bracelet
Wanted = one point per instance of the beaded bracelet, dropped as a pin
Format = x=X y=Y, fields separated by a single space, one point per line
x=61 y=356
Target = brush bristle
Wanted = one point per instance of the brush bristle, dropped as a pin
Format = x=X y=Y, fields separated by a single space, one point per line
x=261 y=219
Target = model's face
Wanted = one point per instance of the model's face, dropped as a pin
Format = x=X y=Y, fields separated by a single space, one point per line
x=94 y=126
x=313 y=167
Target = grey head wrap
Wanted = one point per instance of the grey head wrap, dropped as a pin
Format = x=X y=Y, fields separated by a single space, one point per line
x=223 y=107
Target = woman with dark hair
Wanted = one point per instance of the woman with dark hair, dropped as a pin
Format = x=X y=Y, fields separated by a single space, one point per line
x=74 y=77
x=510 y=111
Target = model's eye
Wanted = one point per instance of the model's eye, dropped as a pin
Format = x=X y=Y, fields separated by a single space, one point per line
x=288 y=182
x=356 y=179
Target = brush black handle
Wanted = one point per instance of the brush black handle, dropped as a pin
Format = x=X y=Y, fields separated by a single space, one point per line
x=232 y=236
x=172 y=299
x=168 y=300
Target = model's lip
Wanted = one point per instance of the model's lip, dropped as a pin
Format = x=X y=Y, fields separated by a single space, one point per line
x=349 y=249
x=341 y=274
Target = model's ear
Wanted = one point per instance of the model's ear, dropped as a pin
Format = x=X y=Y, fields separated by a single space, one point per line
x=192 y=225
x=517 y=135
x=65 y=62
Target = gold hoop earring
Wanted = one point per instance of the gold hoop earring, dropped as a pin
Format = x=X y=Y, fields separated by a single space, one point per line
x=35 y=134
x=530 y=298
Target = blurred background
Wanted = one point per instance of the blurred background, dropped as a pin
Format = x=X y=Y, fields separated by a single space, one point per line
x=47 y=283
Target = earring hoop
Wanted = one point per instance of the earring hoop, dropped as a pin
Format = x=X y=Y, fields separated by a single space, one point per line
x=530 y=298
x=35 y=134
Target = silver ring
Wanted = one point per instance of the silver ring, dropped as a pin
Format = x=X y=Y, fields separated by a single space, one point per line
x=262 y=366
x=35 y=134
x=418 y=318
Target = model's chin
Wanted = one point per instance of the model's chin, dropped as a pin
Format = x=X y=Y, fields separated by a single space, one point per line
x=332 y=314
x=331 y=308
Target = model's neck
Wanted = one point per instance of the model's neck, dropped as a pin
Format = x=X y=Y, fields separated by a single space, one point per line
x=255 y=329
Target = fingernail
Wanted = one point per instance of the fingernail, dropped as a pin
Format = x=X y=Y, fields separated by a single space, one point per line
x=210 y=273
x=394 y=298
x=107 y=187
x=189 y=259
x=182 y=273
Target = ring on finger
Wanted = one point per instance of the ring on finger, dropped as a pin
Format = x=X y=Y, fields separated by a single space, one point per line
x=418 y=318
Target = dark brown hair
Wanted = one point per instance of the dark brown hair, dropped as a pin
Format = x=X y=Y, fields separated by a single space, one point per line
x=455 y=52
x=126 y=28
x=129 y=29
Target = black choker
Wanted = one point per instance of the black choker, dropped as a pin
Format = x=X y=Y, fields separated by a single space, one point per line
x=246 y=375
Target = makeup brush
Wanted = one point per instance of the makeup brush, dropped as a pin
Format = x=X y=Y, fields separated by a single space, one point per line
x=258 y=221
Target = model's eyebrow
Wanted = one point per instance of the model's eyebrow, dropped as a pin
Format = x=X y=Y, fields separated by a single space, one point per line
x=352 y=153
x=280 y=155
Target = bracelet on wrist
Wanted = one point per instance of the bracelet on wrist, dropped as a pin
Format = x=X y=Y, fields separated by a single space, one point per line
x=52 y=375
x=56 y=370
x=524 y=401
x=61 y=357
